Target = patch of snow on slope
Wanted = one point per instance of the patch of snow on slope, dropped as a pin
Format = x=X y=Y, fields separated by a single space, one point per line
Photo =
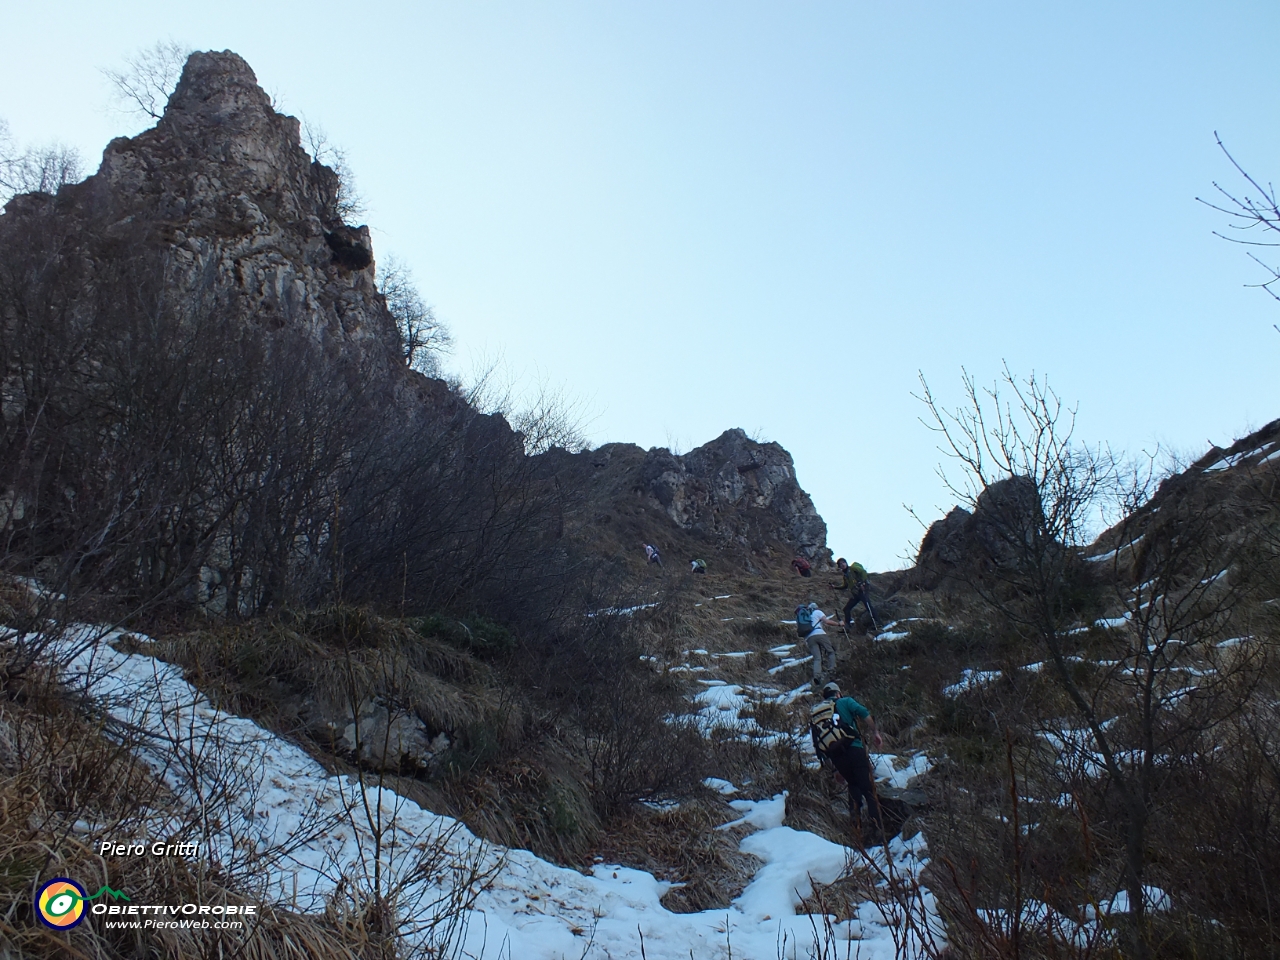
x=310 y=829
x=1231 y=461
x=1113 y=623
x=621 y=611
x=970 y=679
x=887 y=772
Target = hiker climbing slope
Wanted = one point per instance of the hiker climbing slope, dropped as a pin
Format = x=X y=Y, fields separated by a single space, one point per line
x=854 y=579
x=835 y=726
x=651 y=552
x=810 y=622
x=802 y=566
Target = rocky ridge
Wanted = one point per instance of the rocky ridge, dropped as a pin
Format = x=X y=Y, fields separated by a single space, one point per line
x=223 y=193
x=733 y=495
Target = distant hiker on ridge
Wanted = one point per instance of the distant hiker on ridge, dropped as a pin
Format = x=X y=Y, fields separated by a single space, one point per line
x=835 y=726
x=855 y=581
x=651 y=552
x=698 y=566
x=802 y=567
x=809 y=623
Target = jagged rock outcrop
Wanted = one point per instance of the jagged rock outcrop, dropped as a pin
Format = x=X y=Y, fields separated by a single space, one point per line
x=732 y=494
x=223 y=189
x=199 y=308
x=218 y=212
x=707 y=488
x=962 y=544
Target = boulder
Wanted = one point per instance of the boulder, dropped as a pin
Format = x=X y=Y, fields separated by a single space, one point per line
x=392 y=743
x=964 y=545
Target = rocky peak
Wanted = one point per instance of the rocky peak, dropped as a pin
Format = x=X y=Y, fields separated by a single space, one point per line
x=222 y=196
x=705 y=487
x=962 y=544
x=219 y=88
x=731 y=493
x=223 y=192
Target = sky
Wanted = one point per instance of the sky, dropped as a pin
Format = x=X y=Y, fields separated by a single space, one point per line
x=695 y=216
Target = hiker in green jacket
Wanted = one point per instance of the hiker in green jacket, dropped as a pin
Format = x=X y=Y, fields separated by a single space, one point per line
x=854 y=579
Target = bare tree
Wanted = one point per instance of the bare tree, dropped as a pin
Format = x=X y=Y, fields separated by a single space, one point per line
x=1163 y=685
x=35 y=170
x=149 y=77
x=423 y=338
x=1254 y=217
x=344 y=200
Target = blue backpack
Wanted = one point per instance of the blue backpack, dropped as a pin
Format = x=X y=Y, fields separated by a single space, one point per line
x=804 y=620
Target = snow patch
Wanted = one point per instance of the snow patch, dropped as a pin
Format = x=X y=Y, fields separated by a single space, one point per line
x=891 y=635
x=308 y=828
x=970 y=680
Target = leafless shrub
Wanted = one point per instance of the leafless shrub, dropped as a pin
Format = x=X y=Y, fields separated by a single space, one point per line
x=1253 y=219
x=148 y=77
x=630 y=725
x=1138 y=705
x=423 y=338
x=343 y=199
x=545 y=417
x=35 y=170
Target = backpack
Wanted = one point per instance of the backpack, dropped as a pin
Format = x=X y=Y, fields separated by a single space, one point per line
x=827 y=728
x=804 y=620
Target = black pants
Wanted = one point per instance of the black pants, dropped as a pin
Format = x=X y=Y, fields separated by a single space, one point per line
x=855 y=767
x=857 y=598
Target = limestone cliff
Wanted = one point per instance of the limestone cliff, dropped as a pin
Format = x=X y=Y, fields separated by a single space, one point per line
x=223 y=206
x=731 y=495
x=222 y=185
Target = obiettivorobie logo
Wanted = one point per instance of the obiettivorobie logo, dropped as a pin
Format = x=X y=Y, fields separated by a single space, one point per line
x=60 y=902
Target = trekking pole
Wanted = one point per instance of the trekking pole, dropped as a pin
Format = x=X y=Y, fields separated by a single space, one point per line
x=843 y=626
x=866 y=600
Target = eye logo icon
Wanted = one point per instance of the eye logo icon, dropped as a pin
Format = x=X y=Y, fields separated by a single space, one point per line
x=60 y=903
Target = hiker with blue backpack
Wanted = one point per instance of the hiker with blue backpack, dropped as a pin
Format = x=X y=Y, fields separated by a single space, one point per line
x=835 y=724
x=809 y=625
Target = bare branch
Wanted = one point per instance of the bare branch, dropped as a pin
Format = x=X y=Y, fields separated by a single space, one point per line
x=1258 y=212
x=149 y=77
x=35 y=170
x=423 y=338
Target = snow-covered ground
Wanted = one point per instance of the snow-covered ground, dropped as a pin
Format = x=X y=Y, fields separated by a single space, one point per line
x=970 y=679
x=267 y=812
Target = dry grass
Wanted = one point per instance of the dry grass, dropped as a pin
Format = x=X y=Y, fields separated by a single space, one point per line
x=682 y=846
x=302 y=675
x=59 y=772
x=17 y=604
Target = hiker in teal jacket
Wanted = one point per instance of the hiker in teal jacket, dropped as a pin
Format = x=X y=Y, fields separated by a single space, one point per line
x=854 y=579
x=835 y=724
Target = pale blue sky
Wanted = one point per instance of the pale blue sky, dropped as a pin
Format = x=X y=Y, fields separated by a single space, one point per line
x=703 y=215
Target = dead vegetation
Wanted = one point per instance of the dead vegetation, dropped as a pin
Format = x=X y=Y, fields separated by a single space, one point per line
x=64 y=784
